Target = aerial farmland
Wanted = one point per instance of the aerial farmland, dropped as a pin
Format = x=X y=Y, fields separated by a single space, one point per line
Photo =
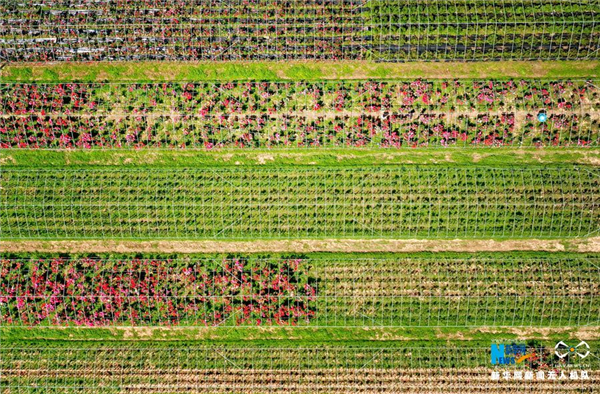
x=299 y=197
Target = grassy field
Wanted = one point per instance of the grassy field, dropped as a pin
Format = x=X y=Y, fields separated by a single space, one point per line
x=291 y=336
x=290 y=70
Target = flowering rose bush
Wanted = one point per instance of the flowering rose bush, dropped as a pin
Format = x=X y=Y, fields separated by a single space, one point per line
x=99 y=292
x=390 y=114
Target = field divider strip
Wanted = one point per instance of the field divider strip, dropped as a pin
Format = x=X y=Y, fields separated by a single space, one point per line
x=306 y=245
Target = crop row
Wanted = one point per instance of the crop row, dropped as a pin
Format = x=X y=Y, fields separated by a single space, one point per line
x=468 y=11
x=116 y=380
x=258 y=291
x=276 y=370
x=488 y=42
x=225 y=357
x=135 y=12
x=142 y=30
x=297 y=131
x=97 y=293
x=323 y=96
x=473 y=30
x=286 y=203
x=303 y=114
x=294 y=29
x=131 y=43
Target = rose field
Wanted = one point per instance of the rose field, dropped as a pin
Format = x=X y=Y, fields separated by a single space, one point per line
x=387 y=114
x=332 y=291
x=133 y=30
x=296 y=203
x=380 y=30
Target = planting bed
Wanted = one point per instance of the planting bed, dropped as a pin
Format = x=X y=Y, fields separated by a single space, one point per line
x=275 y=370
x=382 y=30
x=484 y=30
x=132 y=30
x=387 y=114
x=323 y=291
x=289 y=203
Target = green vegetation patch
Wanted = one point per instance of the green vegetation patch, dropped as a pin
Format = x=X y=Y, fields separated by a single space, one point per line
x=429 y=202
x=292 y=70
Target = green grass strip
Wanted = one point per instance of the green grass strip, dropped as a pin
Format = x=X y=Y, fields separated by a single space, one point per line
x=357 y=157
x=296 y=71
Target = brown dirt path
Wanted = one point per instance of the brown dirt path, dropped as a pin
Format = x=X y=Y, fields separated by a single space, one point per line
x=304 y=246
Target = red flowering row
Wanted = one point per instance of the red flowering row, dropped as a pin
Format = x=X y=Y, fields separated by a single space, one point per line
x=92 y=292
x=209 y=98
x=263 y=114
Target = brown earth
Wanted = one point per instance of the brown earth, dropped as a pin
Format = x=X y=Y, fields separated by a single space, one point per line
x=304 y=246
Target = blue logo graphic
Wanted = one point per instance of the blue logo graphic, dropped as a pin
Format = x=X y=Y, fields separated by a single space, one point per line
x=507 y=354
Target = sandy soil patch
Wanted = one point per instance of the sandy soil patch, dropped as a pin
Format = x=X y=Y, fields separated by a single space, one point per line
x=262 y=159
x=7 y=160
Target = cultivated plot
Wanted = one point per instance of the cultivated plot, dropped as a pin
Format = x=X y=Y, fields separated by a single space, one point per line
x=386 y=114
x=214 y=369
x=380 y=30
x=501 y=291
x=289 y=203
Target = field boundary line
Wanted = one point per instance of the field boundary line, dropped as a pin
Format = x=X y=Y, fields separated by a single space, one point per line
x=305 y=245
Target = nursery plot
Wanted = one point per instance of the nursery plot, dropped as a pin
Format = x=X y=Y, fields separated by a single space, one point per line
x=435 y=292
x=381 y=30
x=484 y=30
x=387 y=114
x=280 y=370
x=289 y=203
x=184 y=30
x=325 y=292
